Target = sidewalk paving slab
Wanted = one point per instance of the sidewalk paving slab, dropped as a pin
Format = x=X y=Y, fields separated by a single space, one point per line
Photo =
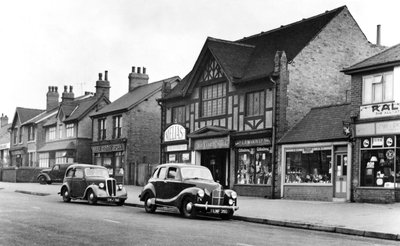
x=359 y=219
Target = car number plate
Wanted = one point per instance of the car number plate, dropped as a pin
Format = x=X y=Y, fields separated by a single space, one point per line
x=112 y=199
x=220 y=211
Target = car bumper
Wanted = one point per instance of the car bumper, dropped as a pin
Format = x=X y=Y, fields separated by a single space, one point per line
x=209 y=206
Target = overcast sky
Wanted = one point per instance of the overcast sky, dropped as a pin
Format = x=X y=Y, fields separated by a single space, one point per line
x=56 y=43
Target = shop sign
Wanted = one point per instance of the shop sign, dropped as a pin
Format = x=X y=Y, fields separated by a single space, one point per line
x=389 y=127
x=178 y=147
x=108 y=148
x=377 y=142
x=379 y=110
x=175 y=132
x=308 y=150
x=212 y=143
x=252 y=142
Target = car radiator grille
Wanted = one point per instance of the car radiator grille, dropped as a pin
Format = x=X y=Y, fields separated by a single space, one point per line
x=111 y=187
x=217 y=197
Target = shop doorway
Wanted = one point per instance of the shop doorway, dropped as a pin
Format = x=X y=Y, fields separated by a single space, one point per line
x=340 y=177
x=216 y=161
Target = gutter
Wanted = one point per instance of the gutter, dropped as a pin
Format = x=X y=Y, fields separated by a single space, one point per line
x=273 y=136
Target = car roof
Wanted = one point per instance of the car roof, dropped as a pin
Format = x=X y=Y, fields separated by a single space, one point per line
x=84 y=166
x=179 y=165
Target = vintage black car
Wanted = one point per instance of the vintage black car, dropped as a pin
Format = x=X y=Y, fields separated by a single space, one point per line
x=54 y=174
x=190 y=188
x=91 y=183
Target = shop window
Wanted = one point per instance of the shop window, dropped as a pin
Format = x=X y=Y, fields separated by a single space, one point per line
x=378 y=88
x=308 y=165
x=179 y=115
x=255 y=103
x=380 y=162
x=213 y=100
x=254 y=166
x=64 y=157
x=117 y=126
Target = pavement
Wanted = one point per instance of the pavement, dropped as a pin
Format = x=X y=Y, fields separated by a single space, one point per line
x=381 y=221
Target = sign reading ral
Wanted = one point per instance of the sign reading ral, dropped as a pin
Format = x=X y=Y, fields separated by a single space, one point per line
x=379 y=110
x=175 y=132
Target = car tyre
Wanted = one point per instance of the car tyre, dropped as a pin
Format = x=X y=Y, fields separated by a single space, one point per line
x=227 y=216
x=91 y=197
x=42 y=180
x=148 y=207
x=121 y=202
x=66 y=196
x=188 y=209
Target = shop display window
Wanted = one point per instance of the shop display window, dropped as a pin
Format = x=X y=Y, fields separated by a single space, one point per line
x=309 y=165
x=380 y=162
x=178 y=157
x=254 y=166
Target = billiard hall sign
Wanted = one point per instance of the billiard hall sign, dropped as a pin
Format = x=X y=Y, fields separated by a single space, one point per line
x=380 y=110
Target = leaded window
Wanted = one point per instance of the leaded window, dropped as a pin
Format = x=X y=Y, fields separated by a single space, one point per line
x=211 y=71
x=213 y=100
x=179 y=114
x=255 y=103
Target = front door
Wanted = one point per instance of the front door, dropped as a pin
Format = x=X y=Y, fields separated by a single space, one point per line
x=340 y=175
x=215 y=160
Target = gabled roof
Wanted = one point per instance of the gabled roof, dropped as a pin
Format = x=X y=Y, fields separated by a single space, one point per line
x=387 y=58
x=25 y=114
x=253 y=57
x=319 y=125
x=134 y=97
x=41 y=117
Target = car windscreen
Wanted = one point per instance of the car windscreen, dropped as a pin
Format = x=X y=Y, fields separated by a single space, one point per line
x=96 y=172
x=196 y=173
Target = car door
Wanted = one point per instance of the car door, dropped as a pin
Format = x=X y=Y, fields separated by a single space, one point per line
x=159 y=182
x=55 y=174
x=172 y=185
x=78 y=183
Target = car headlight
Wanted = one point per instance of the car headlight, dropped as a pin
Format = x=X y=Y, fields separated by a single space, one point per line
x=120 y=187
x=230 y=202
x=101 y=185
x=234 y=195
x=200 y=193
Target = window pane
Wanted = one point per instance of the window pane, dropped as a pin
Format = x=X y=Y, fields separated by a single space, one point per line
x=367 y=95
x=388 y=90
x=377 y=90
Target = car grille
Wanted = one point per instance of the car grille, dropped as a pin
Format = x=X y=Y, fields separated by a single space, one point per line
x=217 y=197
x=111 y=187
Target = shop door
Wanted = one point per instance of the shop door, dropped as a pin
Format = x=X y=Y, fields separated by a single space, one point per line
x=340 y=175
x=215 y=160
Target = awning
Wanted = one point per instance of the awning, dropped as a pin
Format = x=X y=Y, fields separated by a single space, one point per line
x=64 y=145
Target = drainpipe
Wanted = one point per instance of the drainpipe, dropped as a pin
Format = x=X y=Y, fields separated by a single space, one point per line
x=273 y=136
x=160 y=159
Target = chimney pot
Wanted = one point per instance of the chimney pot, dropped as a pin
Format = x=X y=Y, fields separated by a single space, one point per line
x=106 y=75
x=56 y=88
x=378 y=34
x=65 y=88
x=49 y=88
x=100 y=76
x=138 y=70
x=133 y=69
x=144 y=70
x=70 y=88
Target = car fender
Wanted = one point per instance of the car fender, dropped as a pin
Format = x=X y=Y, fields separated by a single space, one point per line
x=94 y=188
x=148 y=189
x=45 y=175
x=64 y=186
x=191 y=191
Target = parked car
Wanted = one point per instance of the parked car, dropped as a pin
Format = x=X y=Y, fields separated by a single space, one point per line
x=190 y=188
x=54 y=174
x=91 y=183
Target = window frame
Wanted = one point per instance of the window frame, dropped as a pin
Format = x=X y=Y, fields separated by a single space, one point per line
x=181 y=111
x=52 y=133
x=208 y=96
x=369 y=84
x=70 y=130
x=31 y=133
x=117 y=126
x=102 y=129
x=250 y=112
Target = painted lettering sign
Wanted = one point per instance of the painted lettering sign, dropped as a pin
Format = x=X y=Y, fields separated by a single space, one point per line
x=379 y=110
x=253 y=142
x=213 y=143
x=174 y=133
x=108 y=148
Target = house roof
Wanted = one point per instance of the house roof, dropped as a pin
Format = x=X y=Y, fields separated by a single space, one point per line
x=41 y=117
x=319 y=125
x=386 y=58
x=25 y=114
x=134 y=97
x=253 y=57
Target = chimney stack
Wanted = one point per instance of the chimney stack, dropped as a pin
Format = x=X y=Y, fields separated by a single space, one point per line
x=3 y=120
x=137 y=79
x=67 y=96
x=52 y=98
x=378 y=35
x=103 y=86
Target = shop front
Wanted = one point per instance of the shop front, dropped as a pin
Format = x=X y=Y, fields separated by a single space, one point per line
x=175 y=145
x=113 y=157
x=379 y=162
x=253 y=167
x=316 y=171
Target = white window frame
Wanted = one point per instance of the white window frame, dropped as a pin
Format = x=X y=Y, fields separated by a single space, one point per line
x=374 y=82
x=70 y=130
x=52 y=133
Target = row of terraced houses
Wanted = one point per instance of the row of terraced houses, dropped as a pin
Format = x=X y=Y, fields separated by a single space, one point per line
x=306 y=111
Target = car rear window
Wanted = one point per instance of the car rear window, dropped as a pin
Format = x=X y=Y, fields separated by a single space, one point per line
x=96 y=172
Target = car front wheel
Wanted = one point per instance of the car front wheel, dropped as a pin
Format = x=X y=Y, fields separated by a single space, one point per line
x=91 y=197
x=148 y=204
x=42 y=180
x=188 y=209
x=66 y=196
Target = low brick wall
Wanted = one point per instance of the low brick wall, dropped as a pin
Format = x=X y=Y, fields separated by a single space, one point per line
x=20 y=175
x=253 y=190
x=374 y=195
x=308 y=192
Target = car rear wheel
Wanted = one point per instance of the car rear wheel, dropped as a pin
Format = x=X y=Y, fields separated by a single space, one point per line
x=66 y=196
x=187 y=208
x=91 y=197
x=121 y=202
x=42 y=180
x=149 y=206
x=227 y=216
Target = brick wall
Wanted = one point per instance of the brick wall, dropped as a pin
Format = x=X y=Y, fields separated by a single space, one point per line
x=315 y=77
x=254 y=190
x=374 y=195
x=308 y=192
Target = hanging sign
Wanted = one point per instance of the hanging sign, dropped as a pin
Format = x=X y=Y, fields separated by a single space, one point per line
x=175 y=132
